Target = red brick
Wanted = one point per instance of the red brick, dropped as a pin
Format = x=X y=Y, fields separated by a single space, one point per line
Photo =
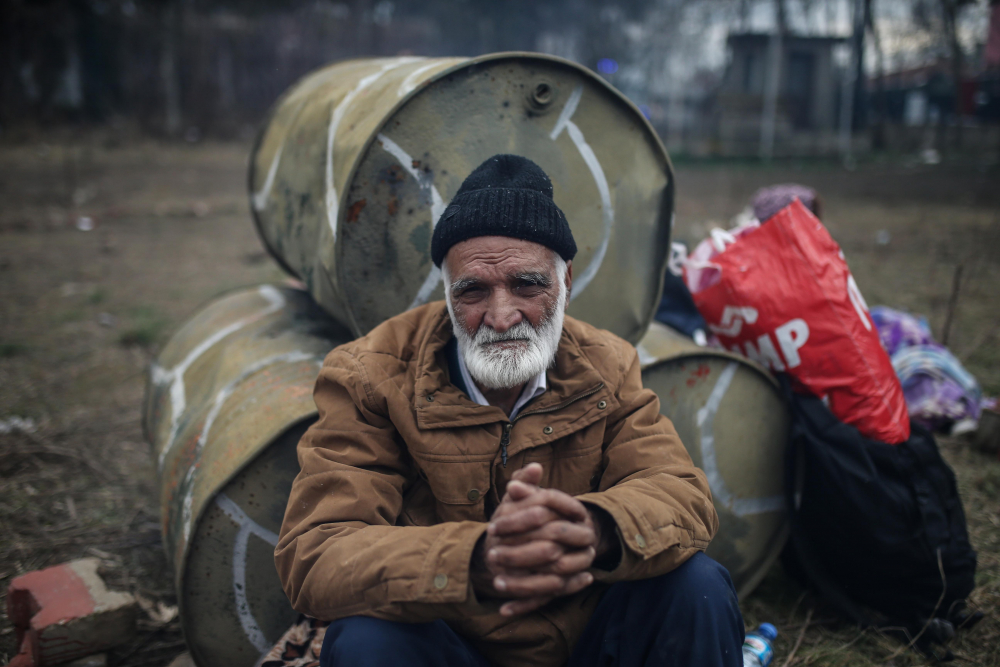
x=66 y=612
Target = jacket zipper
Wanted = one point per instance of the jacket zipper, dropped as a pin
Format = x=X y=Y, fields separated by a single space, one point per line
x=505 y=438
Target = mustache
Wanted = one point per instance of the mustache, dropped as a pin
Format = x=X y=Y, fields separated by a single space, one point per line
x=520 y=331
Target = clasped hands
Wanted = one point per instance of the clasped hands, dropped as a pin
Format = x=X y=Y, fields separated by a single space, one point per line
x=538 y=546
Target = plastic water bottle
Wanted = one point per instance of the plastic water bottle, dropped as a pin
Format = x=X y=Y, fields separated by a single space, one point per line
x=757 y=649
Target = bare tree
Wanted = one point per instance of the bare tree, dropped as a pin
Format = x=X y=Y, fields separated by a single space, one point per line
x=950 y=10
x=170 y=17
x=879 y=127
x=769 y=112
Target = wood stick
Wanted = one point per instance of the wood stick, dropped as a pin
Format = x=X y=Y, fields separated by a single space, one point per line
x=956 y=283
x=798 y=642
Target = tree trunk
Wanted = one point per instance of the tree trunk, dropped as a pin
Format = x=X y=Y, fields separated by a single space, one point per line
x=775 y=54
x=860 y=107
x=950 y=10
x=169 y=70
x=850 y=86
x=879 y=127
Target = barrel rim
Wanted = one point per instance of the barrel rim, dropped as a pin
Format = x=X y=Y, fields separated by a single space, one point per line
x=657 y=143
x=777 y=546
x=252 y=175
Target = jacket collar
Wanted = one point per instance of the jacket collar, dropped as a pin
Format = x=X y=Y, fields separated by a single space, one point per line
x=572 y=376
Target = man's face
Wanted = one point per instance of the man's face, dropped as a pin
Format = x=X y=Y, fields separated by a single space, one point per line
x=506 y=298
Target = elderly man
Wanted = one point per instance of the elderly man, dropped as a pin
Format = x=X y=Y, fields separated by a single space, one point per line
x=490 y=483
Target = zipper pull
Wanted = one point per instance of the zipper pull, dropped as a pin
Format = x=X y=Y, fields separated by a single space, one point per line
x=504 y=441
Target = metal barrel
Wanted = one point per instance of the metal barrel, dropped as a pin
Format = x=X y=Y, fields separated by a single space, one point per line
x=358 y=160
x=227 y=400
x=734 y=423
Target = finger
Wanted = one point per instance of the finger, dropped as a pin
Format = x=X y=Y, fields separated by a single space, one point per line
x=529 y=585
x=534 y=585
x=565 y=504
x=554 y=499
x=577 y=583
x=559 y=504
x=527 y=556
x=572 y=535
x=529 y=474
x=524 y=606
x=571 y=562
x=522 y=520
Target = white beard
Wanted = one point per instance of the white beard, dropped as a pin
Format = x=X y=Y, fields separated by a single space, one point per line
x=501 y=367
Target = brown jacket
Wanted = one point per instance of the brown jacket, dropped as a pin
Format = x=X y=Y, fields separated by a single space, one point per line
x=402 y=471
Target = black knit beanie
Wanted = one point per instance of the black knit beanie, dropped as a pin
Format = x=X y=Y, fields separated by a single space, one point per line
x=508 y=195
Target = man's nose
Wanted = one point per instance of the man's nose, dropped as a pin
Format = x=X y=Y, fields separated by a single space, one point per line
x=502 y=313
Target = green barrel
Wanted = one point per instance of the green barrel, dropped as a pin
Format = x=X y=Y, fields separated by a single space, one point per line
x=734 y=423
x=228 y=399
x=358 y=160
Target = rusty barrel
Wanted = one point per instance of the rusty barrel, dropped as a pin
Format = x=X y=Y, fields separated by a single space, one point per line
x=734 y=423
x=358 y=160
x=228 y=399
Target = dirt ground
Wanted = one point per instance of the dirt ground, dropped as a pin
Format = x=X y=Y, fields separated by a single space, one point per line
x=83 y=312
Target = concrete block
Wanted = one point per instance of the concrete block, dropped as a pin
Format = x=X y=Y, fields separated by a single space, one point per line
x=66 y=612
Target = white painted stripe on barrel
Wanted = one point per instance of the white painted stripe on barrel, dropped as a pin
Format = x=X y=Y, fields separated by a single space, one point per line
x=567 y=112
x=645 y=358
x=175 y=375
x=261 y=196
x=247 y=526
x=438 y=205
x=590 y=158
x=709 y=463
x=331 y=136
x=213 y=413
x=227 y=391
x=410 y=82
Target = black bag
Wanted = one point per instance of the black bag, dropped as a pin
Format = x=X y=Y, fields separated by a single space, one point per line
x=677 y=309
x=875 y=526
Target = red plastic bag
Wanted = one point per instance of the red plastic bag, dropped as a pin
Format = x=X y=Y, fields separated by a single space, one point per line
x=785 y=298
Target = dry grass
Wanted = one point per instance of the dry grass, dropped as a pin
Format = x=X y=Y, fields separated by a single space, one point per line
x=82 y=313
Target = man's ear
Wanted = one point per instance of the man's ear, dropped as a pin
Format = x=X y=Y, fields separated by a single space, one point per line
x=569 y=281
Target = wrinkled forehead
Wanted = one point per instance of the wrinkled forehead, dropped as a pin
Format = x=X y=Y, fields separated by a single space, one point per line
x=497 y=258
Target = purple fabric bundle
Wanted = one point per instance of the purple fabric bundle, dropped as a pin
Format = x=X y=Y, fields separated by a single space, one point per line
x=939 y=392
x=898 y=329
x=768 y=201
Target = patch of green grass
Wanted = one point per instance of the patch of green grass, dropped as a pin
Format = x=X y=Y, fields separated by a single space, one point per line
x=984 y=364
x=145 y=328
x=98 y=296
x=11 y=349
x=987 y=481
x=70 y=315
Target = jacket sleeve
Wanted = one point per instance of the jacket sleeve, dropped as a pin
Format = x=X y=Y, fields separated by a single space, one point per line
x=339 y=552
x=660 y=502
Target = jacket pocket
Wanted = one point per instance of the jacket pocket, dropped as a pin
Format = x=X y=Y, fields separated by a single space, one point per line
x=572 y=464
x=457 y=482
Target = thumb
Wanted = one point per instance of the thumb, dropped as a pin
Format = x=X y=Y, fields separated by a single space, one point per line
x=529 y=474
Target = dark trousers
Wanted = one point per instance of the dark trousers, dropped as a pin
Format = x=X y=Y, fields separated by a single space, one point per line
x=686 y=618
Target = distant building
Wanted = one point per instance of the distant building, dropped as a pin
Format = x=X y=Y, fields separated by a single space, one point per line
x=808 y=94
